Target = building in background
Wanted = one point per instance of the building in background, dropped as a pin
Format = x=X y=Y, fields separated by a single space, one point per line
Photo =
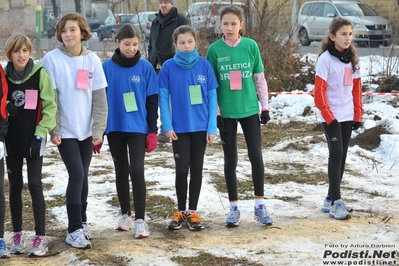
x=20 y=15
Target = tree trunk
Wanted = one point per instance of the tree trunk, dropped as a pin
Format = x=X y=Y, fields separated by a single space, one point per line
x=55 y=9
x=78 y=6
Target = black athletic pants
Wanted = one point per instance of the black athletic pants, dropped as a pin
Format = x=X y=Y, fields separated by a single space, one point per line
x=253 y=137
x=2 y=199
x=338 y=142
x=76 y=156
x=188 y=152
x=15 y=177
x=120 y=147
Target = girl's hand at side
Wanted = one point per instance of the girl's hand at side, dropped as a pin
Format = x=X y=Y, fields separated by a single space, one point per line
x=97 y=141
x=210 y=138
x=56 y=140
x=171 y=134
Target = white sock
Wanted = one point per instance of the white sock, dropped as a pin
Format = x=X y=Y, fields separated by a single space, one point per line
x=259 y=202
x=233 y=204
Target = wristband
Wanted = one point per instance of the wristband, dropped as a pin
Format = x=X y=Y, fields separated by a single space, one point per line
x=39 y=138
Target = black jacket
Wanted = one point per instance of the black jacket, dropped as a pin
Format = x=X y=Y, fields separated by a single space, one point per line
x=160 y=47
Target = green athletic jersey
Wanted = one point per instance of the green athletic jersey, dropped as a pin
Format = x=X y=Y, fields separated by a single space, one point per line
x=245 y=57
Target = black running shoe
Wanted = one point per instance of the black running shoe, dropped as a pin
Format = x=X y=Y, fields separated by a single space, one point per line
x=194 y=222
x=177 y=222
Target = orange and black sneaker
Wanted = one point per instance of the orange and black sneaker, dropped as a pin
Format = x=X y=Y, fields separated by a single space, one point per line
x=194 y=222
x=177 y=222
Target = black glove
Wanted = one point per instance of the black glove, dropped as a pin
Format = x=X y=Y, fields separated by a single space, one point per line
x=334 y=124
x=11 y=108
x=356 y=125
x=264 y=117
x=34 y=150
x=220 y=124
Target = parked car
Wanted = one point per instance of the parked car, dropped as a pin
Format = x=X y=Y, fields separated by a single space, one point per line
x=369 y=28
x=205 y=15
x=94 y=23
x=112 y=24
x=143 y=21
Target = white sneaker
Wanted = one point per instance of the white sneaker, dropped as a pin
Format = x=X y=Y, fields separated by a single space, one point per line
x=86 y=231
x=77 y=239
x=39 y=246
x=233 y=217
x=262 y=215
x=142 y=230
x=17 y=244
x=338 y=210
x=327 y=206
x=125 y=223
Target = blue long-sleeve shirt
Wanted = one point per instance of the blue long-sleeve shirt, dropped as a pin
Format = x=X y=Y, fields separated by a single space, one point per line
x=176 y=108
x=140 y=79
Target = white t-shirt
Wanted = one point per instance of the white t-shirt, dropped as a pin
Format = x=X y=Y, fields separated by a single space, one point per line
x=74 y=105
x=339 y=96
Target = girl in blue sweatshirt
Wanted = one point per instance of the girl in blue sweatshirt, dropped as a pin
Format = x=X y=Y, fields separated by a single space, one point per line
x=132 y=96
x=188 y=104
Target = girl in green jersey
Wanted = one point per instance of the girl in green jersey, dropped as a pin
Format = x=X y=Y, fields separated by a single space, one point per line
x=239 y=70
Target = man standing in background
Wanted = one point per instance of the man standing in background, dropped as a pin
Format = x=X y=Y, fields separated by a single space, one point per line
x=160 y=47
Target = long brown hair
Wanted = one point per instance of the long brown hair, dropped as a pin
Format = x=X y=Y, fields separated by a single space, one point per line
x=335 y=25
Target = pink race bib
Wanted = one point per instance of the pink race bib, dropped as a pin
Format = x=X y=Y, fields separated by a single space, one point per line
x=83 y=79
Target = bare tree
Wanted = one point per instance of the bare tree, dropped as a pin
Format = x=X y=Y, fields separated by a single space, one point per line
x=112 y=5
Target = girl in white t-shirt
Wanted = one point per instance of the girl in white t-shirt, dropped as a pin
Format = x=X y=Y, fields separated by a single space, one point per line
x=79 y=82
x=338 y=96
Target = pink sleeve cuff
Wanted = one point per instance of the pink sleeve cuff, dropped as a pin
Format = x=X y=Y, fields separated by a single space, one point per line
x=262 y=90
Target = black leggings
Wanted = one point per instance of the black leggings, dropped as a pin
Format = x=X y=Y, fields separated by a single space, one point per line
x=188 y=152
x=338 y=142
x=253 y=137
x=2 y=199
x=15 y=177
x=119 y=147
x=76 y=156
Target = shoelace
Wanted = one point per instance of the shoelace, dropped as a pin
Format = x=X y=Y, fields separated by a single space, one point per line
x=179 y=216
x=36 y=241
x=232 y=213
x=124 y=220
x=141 y=226
x=17 y=238
x=264 y=212
x=341 y=207
x=194 y=218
